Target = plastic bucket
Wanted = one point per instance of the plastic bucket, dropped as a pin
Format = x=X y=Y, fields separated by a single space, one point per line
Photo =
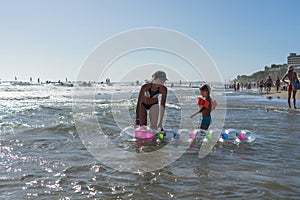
x=143 y=134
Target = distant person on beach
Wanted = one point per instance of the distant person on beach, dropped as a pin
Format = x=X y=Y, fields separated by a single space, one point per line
x=148 y=100
x=261 y=86
x=291 y=76
x=269 y=84
x=249 y=86
x=206 y=111
x=234 y=86
x=238 y=86
x=278 y=83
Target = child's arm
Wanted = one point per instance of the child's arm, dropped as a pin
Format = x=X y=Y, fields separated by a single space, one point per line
x=196 y=113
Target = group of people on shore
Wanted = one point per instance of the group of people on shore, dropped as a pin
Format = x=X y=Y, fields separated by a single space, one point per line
x=290 y=79
x=268 y=84
x=237 y=86
x=263 y=85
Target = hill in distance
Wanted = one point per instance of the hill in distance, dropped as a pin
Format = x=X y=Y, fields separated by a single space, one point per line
x=274 y=71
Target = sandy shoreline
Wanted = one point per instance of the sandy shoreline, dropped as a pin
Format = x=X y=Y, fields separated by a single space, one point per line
x=280 y=95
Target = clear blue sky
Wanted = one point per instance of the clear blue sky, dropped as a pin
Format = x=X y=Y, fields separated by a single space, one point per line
x=51 y=38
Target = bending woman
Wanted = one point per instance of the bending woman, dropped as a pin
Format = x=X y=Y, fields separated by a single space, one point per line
x=148 y=100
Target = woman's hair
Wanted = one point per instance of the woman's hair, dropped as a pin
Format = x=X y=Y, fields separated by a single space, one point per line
x=290 y=69
x=205 y=87
x=160 y=75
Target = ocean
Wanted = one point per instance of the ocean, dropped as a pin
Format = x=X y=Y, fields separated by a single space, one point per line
x=42 y=155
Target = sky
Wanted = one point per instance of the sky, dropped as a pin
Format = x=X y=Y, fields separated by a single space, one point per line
x=50 y=39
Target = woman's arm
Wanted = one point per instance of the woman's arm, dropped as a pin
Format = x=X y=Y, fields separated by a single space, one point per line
x=296 y=75
x=164 y=93
x=283 y=79
x=137 y=112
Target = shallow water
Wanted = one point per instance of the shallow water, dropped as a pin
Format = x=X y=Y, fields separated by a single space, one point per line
x=42 y=156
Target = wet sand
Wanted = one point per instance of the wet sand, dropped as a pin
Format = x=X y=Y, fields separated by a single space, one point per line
x=280 y=95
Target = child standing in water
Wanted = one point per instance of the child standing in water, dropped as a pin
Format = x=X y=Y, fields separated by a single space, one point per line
x=206 y=111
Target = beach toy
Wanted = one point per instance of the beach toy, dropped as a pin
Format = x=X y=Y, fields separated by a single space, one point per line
x=228 y=135
x=296 y=85
x=167 y=134
x=224 y=135
x=241 y=135
x=161 y=135
x=237 y=141
x=202 y=132
x=208 y=136
x=237 y=137
x=128 y=133
x=214 y=104
x=143 y=133
x=249 y=136
x=198 y=134
x=221 y=140
x=203 y=102
x=232 y=133
x=184 y=135
x=176 y=136
x=193 y=135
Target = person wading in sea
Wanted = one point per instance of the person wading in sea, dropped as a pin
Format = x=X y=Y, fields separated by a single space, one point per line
x=148 y=100
x=291 y=76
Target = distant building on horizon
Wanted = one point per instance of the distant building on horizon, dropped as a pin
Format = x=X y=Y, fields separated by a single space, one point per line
x=293 y=59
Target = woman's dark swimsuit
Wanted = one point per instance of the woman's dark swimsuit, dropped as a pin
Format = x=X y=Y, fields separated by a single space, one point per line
x=148 y=106
x=151 y=95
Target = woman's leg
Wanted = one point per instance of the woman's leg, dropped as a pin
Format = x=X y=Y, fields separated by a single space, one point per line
x=143 y=115
x=289 y=97
x=294 y=98
x=154 y=115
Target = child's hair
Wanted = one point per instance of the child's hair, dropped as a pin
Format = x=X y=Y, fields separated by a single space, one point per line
x=205 y=87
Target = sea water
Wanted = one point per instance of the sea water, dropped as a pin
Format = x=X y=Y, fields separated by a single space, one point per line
x=42 y=155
